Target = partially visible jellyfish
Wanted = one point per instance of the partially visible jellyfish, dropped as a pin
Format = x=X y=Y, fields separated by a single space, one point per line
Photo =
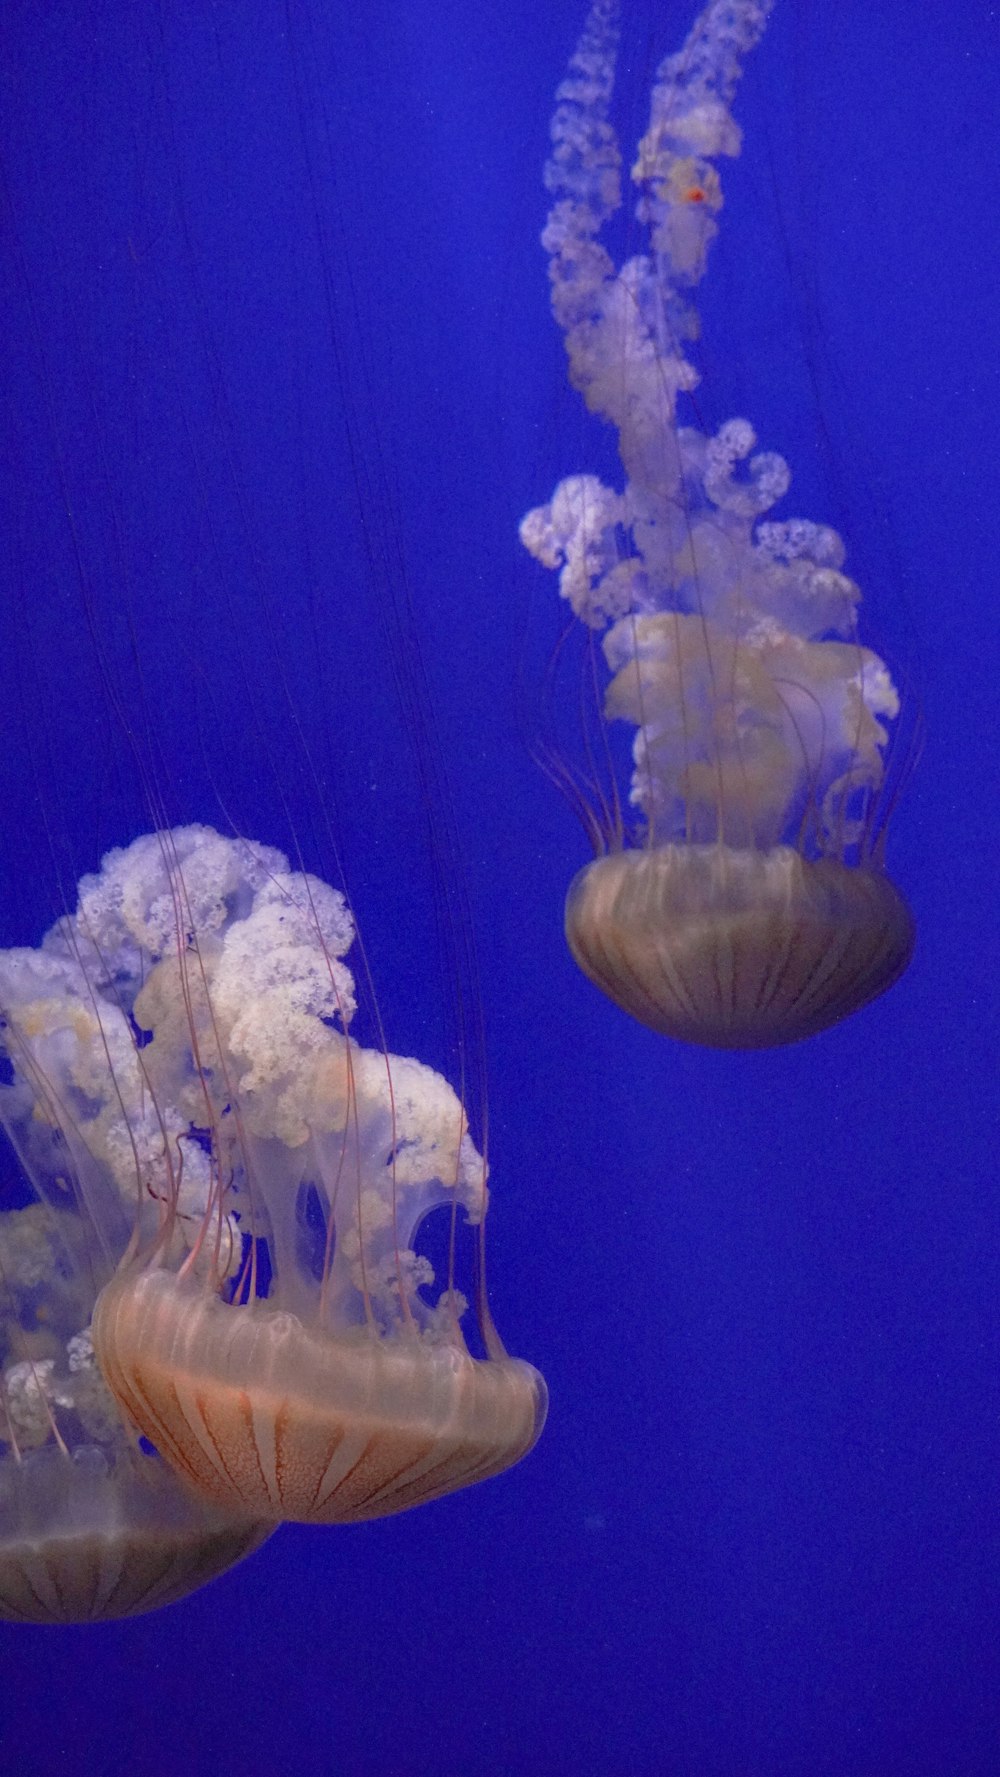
x=744 y=904
x=92 y=1524
x=272 y=1331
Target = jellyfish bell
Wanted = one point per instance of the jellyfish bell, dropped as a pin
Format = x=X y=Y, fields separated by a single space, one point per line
x=259 y=1410
x=274 y=1335
x=736 y=948
x=105 y=1531
x=92 y=1524
x=741 y=900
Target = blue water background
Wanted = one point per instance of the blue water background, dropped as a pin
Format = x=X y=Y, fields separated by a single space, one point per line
x=279 y=381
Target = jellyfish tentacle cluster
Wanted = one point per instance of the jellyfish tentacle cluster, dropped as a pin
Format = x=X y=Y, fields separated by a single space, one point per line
x=181 y=1050
x=751 y=907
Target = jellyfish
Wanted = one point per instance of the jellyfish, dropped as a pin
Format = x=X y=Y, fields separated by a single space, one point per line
x=289 y=1194
x=742 y=901
x=93 y=1524
x=272 y=1330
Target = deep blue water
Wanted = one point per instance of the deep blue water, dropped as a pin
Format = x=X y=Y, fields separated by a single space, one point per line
x=279 y=381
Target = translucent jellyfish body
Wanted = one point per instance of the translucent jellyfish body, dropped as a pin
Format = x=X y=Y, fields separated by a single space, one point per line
x=743 y=903
x=92 y=1525
x=273 y=1333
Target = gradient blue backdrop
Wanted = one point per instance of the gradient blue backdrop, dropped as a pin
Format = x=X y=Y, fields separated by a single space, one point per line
x=278 y=382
